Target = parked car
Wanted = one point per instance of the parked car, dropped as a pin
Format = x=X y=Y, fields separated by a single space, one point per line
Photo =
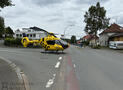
x=116 y=44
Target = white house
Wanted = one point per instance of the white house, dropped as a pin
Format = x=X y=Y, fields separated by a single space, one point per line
x=106 y=34
x=32 y=33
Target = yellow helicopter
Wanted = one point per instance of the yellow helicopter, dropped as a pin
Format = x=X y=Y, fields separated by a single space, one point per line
x=48 y=43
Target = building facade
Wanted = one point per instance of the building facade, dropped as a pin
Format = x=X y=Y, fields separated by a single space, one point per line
x=104 y=39
x=116 y=37
x=94 y=41
x=33 y=33
x=106 y=34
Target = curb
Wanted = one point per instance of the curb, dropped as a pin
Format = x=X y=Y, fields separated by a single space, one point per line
x=21 y=76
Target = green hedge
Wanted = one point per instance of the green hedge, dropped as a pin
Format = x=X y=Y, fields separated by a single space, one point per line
x=12 y=42
x=86 y=43
x=96 y=47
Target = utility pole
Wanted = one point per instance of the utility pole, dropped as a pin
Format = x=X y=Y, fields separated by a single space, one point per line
x=66 y=29
x=116 y=19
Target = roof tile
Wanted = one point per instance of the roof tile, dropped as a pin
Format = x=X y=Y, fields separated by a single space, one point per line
x=114 y=28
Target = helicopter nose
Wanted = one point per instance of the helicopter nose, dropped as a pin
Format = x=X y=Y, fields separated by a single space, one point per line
x=65 y=46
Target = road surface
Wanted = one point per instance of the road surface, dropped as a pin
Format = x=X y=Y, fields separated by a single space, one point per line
x=98 y=69
x=38 y=66
x=81 y=68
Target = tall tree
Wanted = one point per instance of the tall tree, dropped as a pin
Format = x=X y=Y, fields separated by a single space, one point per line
x=2 y=26
x=73 y=39
x=95 y=19
x=4 y=3
x=9 y=32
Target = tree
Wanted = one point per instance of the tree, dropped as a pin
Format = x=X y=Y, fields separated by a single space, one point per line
x=2 y=26
x=9 y=32
x=4 y=3
x=95 y=19
x=73 y=39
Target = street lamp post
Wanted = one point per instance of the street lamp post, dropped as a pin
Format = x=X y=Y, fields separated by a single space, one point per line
x=66 y=29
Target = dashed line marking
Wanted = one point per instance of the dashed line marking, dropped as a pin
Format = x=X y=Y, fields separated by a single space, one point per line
x=4 y=50
x=57 y=65
x=8 y=51
x=54 y=75
x=51 y=81
x=60 y=58
x=74 y=66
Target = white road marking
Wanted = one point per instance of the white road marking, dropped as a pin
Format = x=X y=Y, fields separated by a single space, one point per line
x=54 y=75
x=74 y=66
x=4 y=50
x=60 y=58
x=57 y=65
x=9 y=51
x=15 y=52
x=51 y=81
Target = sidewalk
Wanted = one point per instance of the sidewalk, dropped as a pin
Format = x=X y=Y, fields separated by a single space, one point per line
x=8 y=77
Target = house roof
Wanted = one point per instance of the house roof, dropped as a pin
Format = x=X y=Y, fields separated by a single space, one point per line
x=117 y=35
x=95 y=37
x=114 y=28
x=87 y=37
x=37 y=29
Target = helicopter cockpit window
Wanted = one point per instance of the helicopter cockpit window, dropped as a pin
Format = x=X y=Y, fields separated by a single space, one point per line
x=51 y=42
x=63 y=42
x=57 y=42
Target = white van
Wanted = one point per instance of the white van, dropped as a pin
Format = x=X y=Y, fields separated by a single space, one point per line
x=116 y=44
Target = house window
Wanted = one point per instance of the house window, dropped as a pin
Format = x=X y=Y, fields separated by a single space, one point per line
x=27 y=35
x=17 y=35
x=34 y=35
x=20 y=35
x=30 y=35
x=29 y=30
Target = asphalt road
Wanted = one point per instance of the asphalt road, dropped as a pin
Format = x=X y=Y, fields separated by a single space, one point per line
x=98 y=69
x=82 y=68
x=11 y=81
x=38 y=66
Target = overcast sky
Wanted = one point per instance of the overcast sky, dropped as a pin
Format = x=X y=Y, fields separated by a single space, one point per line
x=57 y=15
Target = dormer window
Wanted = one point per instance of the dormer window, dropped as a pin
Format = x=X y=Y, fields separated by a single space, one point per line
x=29 y=30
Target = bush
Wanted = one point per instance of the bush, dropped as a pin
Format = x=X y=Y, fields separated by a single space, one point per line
x=86 y=43
x=12 y=42
x=18 y=41
x=96 y=47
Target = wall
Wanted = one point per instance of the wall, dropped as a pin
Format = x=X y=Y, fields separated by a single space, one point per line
x=30 y=35
x=93 y=42
x=103 y=40
x=118 y=38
